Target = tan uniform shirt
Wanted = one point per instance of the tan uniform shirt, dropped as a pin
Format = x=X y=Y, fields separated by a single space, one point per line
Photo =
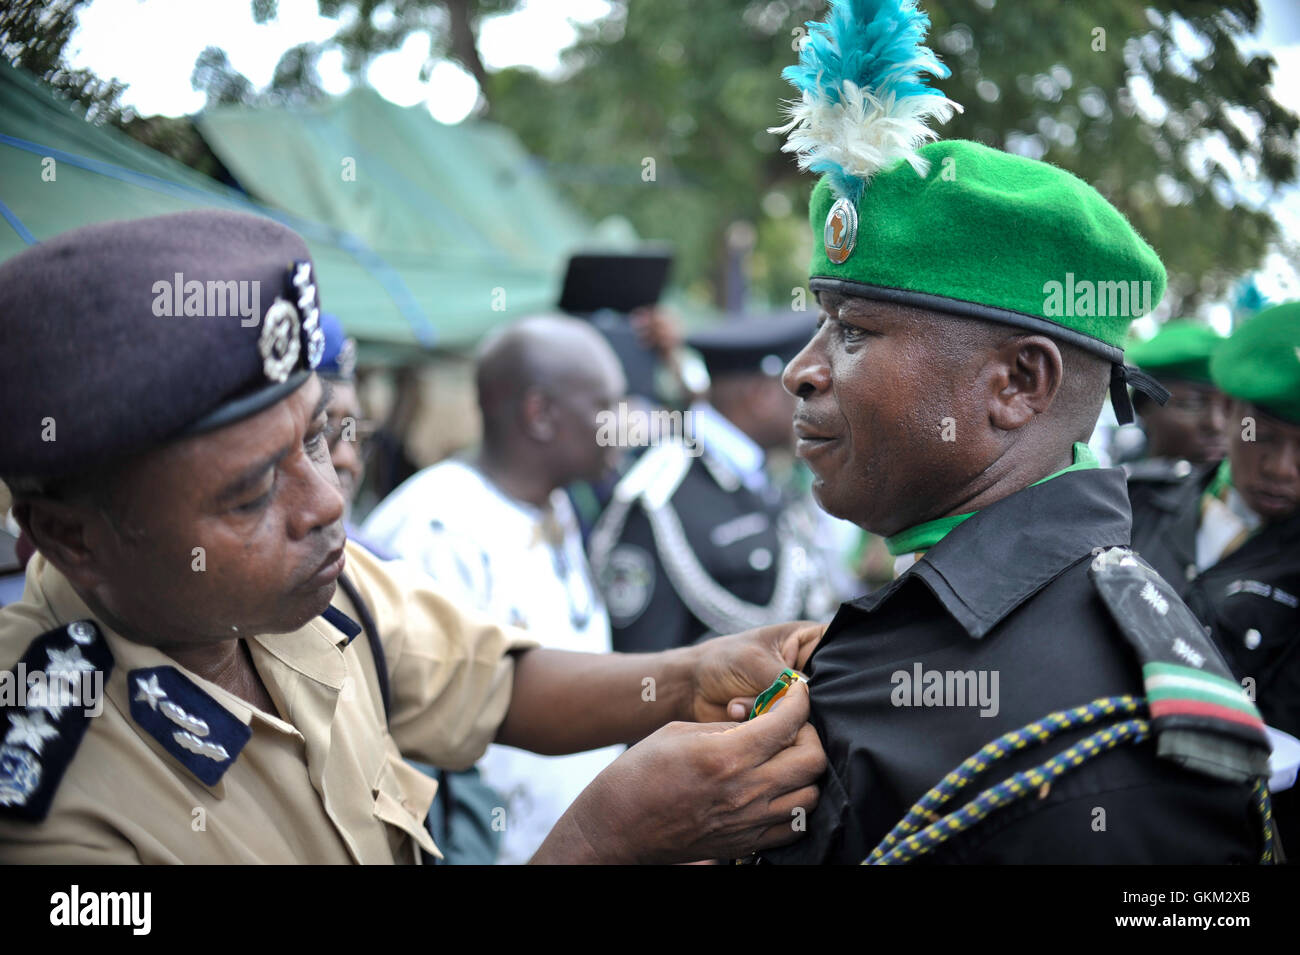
x=322 y=782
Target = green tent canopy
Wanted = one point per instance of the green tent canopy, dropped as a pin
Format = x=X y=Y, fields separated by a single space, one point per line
x=443 y=233
x=460 y=212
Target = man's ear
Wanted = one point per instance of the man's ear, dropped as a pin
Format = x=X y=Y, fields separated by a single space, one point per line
x=1027 y=373
x=536 y=415
x=71 y=536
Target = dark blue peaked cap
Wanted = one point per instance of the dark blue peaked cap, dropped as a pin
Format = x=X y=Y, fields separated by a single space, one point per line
x=754 y=343
x=122 y=336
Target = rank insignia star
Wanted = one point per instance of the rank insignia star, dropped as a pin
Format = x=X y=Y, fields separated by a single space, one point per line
x=42 y=696
x=195 y=729
x=150 y=692
x=31 y=731
x=69 y=664
x=40 y=736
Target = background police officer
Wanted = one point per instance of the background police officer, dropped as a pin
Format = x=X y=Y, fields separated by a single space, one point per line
x=698 y=538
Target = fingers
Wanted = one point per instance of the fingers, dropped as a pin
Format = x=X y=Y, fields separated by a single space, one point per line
x=778 y=727
x=796 y=806
x=790 y=816
x=798 y=645
x=738 y=710
x=780 y=834
x=799 y=764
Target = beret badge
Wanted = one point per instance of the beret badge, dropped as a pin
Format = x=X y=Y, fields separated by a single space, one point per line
x=841 y=232
x=310 y=311
x=279 y=341
x=347 y=360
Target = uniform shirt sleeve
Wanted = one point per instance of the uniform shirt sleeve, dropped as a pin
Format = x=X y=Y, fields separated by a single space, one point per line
x=450 y=672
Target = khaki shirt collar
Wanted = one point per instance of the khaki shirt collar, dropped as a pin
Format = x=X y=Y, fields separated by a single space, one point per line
x=314 y=651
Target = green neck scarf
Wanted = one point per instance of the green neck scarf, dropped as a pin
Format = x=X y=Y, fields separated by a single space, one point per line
x=1221 y=481
x=924 y=536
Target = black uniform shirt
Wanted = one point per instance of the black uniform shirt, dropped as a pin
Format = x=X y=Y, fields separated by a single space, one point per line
x=729 y=551
x=1251 y=601
x=1166 y=500
x=1006 y=593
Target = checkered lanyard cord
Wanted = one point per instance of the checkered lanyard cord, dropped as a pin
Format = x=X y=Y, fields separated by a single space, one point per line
x=922 y=829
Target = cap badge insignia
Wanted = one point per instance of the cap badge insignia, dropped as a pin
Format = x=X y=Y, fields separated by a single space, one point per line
x=347 y=360
x=279 y=341
x=310 y=311
x=20 y=774
x=841 y=233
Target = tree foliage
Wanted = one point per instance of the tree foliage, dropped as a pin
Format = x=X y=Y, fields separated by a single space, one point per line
x=33 y=35
x=661 y=113
x=1157 y=106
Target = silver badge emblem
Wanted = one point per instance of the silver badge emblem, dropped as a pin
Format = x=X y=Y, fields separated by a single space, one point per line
x=82 y=631
x=199 y=747
x=347 y=360
x=841 y=232
x=20 y=774
x=310 y=311
x=629 y=583
x=279 y=341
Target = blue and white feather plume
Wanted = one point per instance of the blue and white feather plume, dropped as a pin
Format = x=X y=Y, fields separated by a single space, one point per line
x=865 y=100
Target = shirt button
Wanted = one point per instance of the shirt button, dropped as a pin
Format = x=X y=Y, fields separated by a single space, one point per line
x=1182 y=469
x=1190 y=572
x=1253 y=638
x=760 y=559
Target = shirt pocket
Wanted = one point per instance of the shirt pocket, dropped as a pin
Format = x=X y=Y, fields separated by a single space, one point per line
x=403 y=796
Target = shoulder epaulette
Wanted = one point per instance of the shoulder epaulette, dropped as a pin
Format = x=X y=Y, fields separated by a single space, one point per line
x=46 y=703
x=656 y=476
x=653 y=479
x=1201 y=716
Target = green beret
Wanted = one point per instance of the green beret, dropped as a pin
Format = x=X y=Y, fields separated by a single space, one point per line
x=1180 y=351
x=993 y=236
x=1260 y=362
x=122 y=336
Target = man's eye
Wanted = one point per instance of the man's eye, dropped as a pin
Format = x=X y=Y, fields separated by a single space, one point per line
x=851 y=333
x=324 y=436
x=254 y=505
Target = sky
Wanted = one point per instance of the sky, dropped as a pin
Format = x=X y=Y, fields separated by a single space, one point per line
x=113 y=34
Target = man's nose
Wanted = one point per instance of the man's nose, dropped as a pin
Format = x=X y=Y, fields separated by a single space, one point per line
x=345 y=456
x=1216 y=416
x=319 y=500
x=808 y=372
x=1283 y=464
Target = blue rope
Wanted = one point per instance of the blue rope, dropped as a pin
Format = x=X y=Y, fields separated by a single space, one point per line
x=922 y=830
x=23 y=232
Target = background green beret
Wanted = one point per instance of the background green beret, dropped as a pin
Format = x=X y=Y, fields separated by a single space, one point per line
x=1180 y=351
x=1260 y=362
x=989 y=235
